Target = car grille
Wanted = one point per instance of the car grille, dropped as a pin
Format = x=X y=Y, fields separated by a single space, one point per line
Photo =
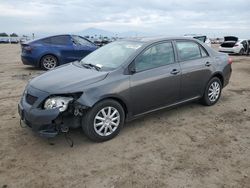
x=30 y=99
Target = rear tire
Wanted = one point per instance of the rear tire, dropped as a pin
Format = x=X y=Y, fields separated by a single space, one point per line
x=241 y=52
x=48 y=62
x=212 y=92
x=103 y=121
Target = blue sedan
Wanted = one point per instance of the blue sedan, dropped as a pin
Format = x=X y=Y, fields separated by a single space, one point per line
x=49 y=52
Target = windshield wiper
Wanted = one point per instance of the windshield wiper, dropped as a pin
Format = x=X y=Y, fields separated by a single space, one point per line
x=89 y=65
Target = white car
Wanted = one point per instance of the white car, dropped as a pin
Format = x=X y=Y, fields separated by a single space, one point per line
x=202 y=38
x=233 y=45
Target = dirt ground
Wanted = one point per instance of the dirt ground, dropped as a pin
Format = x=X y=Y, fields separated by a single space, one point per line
x=189 y=146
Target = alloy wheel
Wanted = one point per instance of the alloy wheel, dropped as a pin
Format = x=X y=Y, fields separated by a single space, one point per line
x=106 y=121
x=49 y=62
x=214 y=91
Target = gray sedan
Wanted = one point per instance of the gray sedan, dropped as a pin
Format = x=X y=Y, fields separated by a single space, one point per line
x=123 y=81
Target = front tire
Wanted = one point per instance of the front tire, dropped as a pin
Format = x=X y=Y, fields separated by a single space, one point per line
x=103 y=121
x=213 y=92
x=49 y=62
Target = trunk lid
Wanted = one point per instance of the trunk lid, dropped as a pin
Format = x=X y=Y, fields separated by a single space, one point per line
x=229 y=42
x=231 y=38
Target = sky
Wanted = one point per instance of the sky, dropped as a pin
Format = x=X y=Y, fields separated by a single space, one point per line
x=215 y=18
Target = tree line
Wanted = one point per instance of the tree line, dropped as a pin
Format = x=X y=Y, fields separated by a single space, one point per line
x=6 y=35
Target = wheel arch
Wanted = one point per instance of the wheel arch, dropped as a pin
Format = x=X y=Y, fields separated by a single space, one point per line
x=117 y=99
x=216 y=74
x=220 y=76
x=241 y=51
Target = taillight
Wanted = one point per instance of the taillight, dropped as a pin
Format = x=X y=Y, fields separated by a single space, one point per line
x=230 y=60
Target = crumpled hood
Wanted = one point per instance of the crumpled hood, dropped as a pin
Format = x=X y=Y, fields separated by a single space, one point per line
x=67 y=79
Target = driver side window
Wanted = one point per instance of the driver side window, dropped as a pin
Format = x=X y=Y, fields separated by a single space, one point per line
x=156 y=56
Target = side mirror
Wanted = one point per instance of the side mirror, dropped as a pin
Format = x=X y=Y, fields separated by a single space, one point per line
x=131 y=68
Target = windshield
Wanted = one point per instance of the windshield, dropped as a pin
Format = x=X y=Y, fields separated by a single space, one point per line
x=112 y=55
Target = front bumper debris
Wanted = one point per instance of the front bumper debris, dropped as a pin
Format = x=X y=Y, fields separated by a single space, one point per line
x=47 y=122
x=44 y=122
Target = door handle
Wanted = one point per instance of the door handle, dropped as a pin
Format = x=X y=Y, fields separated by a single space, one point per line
x=174 y=71
x=207 y=64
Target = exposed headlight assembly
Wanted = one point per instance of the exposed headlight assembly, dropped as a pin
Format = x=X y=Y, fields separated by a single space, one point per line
x=57 y=102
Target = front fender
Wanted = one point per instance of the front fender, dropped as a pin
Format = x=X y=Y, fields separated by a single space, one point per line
x=90 y=100
x=117 y=89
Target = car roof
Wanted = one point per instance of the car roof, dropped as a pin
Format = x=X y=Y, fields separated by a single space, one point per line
x=41 y=38
x=194 y=35
x=56 y=36
x=157 y=39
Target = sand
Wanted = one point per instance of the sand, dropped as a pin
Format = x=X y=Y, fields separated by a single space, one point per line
x=188 y=146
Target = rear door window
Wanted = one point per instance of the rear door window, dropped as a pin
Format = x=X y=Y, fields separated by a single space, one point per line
x=156 y=56
x=188 y=50
x=60 y=40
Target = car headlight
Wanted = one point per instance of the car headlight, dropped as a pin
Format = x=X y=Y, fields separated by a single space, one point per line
x=57 y=102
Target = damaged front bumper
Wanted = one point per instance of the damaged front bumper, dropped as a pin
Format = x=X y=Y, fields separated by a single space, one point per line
x=42 y=122
x=46 y=122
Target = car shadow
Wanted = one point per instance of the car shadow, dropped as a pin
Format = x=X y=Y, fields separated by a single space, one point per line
x=33 y=69
x=79 y=139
